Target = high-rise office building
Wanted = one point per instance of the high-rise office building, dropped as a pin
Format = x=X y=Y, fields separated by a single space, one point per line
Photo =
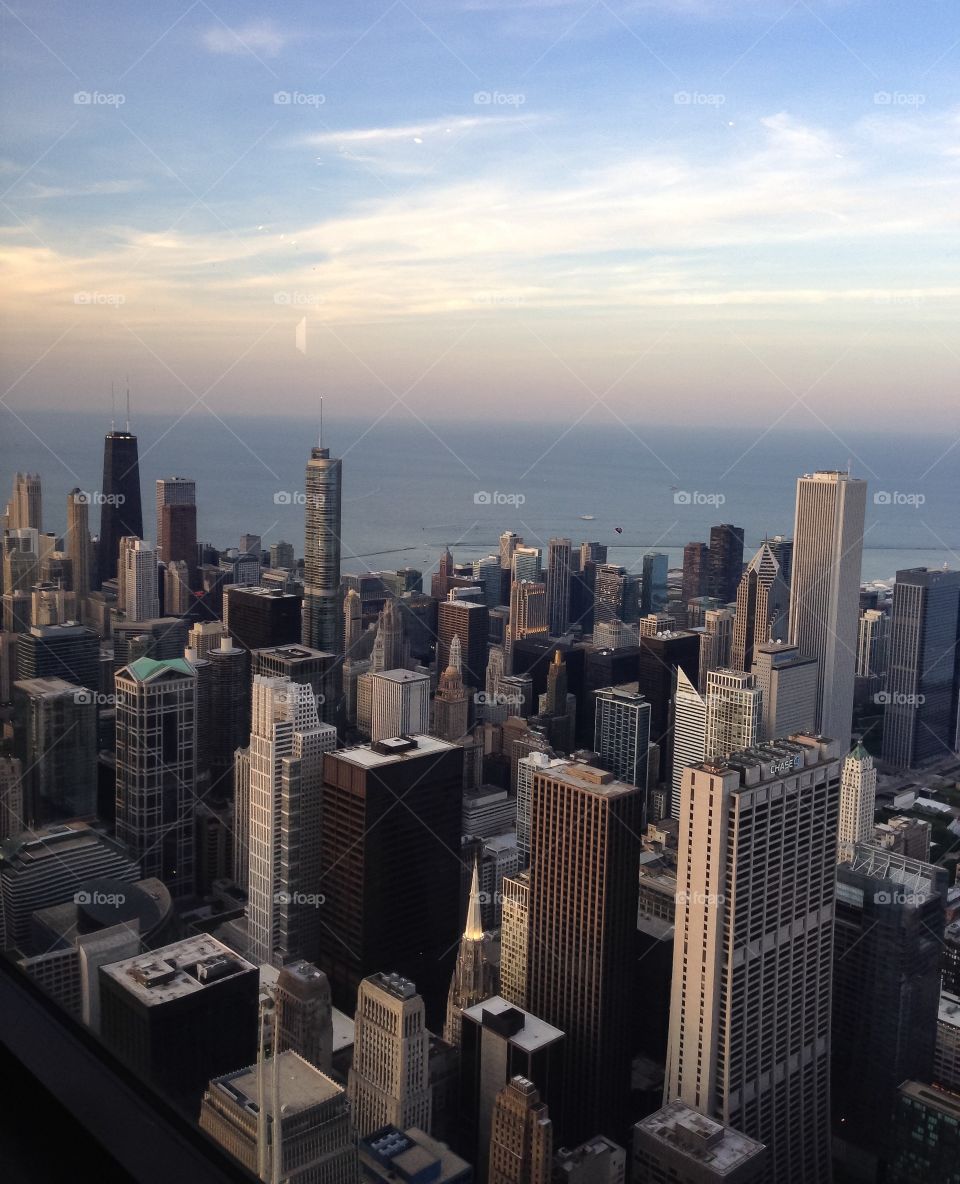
x=538 y=756
x=925 y=1136
x=558 y=585
x=661 y=656
x=763 y=608
x=726 y=561
x=287 y=743
x=716 y=642
x=25 y=509
x=750 y=1006
x=514 y=937
x=528 y=616
x=69 y=651
x=689 y=735
x=399 y=704
x=321 y=556
x=395 y=807
x=121 y=512
x=180 y=538
x=489 y=574
x=923 y=675
x=696 y=571
x=653 y=591
x=138 y=580
x=782 y=549
x=679 y=1145
x=156 y=768
x=13 y=811
x=621 y=734
x=858 y=794
x=304 y=1014
x=475 y=977
x=500 y=1041
x=288 y=1115
x=734 y=713
x=174 y=491
x=824 y=590
x=300 y=664
x=521 y=1138
x=55 y=736
x=467 y=621
x=352 y=621
x=450 y=706
x=389 y=1077
x=78 y=546
x=788 y=683
x=282 y=556
x=525 y=564
x=616 y=594
x=181 y=1015
x=873 y=641
x=262 y=617
x=583 y=882
x=508 y=544
x=886 y=989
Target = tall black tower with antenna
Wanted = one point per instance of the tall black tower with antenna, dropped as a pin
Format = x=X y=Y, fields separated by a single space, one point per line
x=121 y=512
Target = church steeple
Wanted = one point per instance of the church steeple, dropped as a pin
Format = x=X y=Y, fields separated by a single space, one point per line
x=475 y=976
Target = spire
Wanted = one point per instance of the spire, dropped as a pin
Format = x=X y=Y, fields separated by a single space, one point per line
x=456 y=659
x=474 y=926
x=320 y=441
x=128 y=404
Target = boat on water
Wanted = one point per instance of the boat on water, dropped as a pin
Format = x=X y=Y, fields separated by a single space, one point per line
x=587 y=517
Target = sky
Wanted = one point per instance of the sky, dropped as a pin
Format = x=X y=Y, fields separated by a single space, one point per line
x=664 y=211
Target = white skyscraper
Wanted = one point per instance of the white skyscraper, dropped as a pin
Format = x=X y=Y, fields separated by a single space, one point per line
x=734 y=712
x=858 y=796
x=389 y=1080
x=689 y=734
x=138 y=580
x=750 y=1006
x=824 y=590
x=287 y=742
x=399 y=704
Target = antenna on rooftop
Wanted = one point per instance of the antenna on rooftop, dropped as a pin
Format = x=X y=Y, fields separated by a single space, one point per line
x=128 y=404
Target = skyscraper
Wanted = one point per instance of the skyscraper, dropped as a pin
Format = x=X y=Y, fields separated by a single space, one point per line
x=121 y=513
x=399 y=704
x=389 y=1077
x=287 y=742
x=824 y=590
x=156 y=768
x=726 y=561
x=583 y=891
x=26 y=506
x=696 y=571
x=734 y=713
x=749 y=1037
x=467 y=621
x=622 y=733
x=138 y=581
x=923 y=676
x=679 y=1145
x=528 y=616
x=858 y=794
x=788 y=683
x=395 y=807
x=180 y=538
x=653 y=591
x=661 y=656
x=475 y=977
x=558 y=585
x=55 y=736
x=689 y=735
x=352 y=621
x=886 y=988
x=321 y=556
x=716 y=643
x=175 y=491
x=450 y=706
x=521 y=1139
x=763 y=608
x=304 y=1014
x=78 y=546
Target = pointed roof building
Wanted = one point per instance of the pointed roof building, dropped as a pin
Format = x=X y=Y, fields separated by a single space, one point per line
x=474 y=978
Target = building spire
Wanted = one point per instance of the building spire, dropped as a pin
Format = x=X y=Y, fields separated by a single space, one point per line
x=321 y=422
x=128 y=404
x=474 y=927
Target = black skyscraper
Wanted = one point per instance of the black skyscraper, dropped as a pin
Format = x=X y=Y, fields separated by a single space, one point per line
x=726 y=561
x=121 y=513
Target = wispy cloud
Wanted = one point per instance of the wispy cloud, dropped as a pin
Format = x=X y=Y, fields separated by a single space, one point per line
x=93 y=189
x=258 y=37
x=406 y=133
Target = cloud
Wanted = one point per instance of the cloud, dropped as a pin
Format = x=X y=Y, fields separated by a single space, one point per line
x=94 y=189
x=407 y=133
x=258 y=37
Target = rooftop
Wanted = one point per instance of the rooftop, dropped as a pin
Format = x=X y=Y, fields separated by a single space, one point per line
x=933 y=1097
x=301 y=1086
x=394 y=984
x=400 y=675
x=531 y=1032
x=591 y=778
x=177 y=970
x=699 y=1138
x=949 y=1010
x=145 y=669
x=392 y=750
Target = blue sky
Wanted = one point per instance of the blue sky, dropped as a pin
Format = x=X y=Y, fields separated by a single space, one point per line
x=665 y=210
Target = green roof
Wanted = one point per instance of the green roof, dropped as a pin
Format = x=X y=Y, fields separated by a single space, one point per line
x=859 y=752
x=144 y=668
